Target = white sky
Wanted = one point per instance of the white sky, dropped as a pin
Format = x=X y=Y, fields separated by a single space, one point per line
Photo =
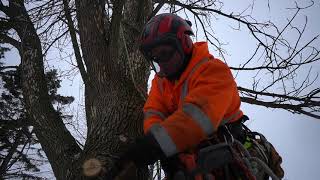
x=294 y=136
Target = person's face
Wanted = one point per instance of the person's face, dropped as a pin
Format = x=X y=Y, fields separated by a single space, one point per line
x=166 y=60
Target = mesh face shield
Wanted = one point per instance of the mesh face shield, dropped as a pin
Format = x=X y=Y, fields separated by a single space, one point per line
x=167 y=29
x=165 y=56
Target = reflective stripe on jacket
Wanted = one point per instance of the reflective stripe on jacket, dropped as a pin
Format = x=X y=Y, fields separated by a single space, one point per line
x=182 y=114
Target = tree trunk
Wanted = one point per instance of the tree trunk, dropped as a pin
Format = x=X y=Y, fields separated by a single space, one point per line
x=57 y=142
x=117 y=76
x=115 y=84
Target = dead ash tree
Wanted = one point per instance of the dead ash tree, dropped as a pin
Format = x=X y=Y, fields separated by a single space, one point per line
x=103 y=35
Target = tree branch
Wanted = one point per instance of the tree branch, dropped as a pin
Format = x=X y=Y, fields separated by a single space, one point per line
x=156 y=10
x=115 y=25
x=301 y=99
x=74 y=41
x=294 y=108
x=6 y=39
x=5 y=162
x=54 y=41
x=7 y=67
x=40 y=109
x=4 y=8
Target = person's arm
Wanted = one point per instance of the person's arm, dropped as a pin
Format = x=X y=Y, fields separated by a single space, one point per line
x=145 y=149
x=154 y=109
x=212 y=100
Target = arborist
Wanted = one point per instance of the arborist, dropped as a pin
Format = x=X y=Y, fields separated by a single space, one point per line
x=193 y=95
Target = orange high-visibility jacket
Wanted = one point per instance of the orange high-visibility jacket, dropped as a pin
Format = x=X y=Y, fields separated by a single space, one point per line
x=182 y=114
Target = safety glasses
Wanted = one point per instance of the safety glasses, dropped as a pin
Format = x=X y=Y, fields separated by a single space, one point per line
x=161 y=57
x=164 y=54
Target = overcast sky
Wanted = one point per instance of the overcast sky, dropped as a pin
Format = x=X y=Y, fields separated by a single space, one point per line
x=294 y=136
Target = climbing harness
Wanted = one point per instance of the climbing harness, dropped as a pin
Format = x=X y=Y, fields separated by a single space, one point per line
x=234 y=155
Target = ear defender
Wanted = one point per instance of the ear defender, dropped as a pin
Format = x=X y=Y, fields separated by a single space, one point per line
x=186 y=43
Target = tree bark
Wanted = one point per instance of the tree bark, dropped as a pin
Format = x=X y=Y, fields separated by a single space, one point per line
x=113 y=102
x=57 y=142
x=115 y=85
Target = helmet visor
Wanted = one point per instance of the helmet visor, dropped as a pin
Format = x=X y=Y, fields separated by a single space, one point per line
x=165 y=60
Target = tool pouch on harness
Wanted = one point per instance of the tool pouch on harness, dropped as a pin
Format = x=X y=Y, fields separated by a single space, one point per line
x=275 y=162
x=234 y=152
x=212 y=157
x=219 y=161
x=208 y=159
x=259 y=147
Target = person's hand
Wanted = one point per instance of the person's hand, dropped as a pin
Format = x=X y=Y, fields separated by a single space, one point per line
x=126 y=171
x=144 y=151
x=171 y=166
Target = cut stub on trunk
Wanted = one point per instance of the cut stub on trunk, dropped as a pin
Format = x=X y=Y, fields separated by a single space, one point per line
x=92 y=168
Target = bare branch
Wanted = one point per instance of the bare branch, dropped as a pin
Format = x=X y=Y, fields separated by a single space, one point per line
x=156 y=10
x=294 y=108
x=274 y=95
x=4 y=9
x=54 y=41
x=6 y=39
x=115 y=24
x=8 y=67
x=75 y=42
x=13 y=149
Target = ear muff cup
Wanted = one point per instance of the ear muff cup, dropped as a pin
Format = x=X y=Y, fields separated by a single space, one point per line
x=186 y=44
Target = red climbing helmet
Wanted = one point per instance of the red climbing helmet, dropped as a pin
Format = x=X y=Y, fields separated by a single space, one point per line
x=165 y=41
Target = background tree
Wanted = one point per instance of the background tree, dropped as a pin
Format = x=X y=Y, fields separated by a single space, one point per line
x=20 y=152
x=104 y=37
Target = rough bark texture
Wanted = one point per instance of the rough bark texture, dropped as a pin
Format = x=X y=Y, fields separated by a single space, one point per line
x=115 y=82
x=55 y=139
x=113 y=102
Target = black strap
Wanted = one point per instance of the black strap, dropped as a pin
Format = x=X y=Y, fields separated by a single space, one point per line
x=237 y=129
x=213 y=157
